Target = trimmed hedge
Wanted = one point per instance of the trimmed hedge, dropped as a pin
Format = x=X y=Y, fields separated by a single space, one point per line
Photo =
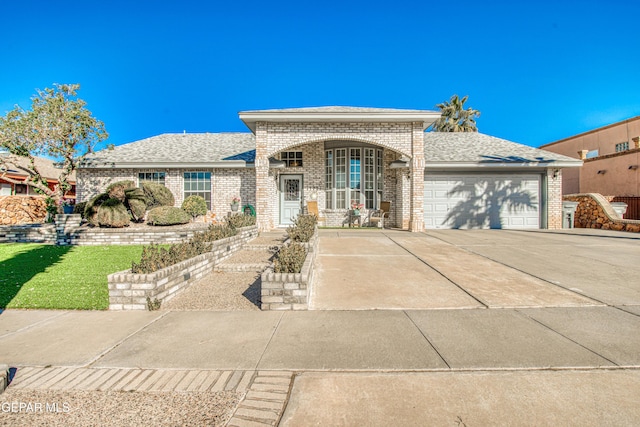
x=195 y=206
x=157 y=195
x=117 y=189
x=155 y=258
x=290 y=259
x=91 y=208
x=303 y=228
x=167 y=215
x=240 y=220
x=112 y=213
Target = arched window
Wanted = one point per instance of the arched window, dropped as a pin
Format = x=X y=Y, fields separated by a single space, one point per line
x=353 y=174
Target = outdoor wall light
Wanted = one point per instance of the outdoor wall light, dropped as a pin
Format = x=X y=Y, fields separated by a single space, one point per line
x=555 y=173
x=602 y=172
x=633 y=167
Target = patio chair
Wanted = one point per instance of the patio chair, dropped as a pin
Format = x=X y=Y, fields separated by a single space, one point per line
x=377 y=217
x=312 y=209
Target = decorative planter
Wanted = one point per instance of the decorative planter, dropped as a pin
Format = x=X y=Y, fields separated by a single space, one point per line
x=67 y=209
x=235 y=207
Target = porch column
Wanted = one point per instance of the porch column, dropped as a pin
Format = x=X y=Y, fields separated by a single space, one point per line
x=263 y=219
x=417 y=178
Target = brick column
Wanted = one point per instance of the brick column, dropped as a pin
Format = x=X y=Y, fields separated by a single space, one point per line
x=263 y=219
x=554 y=199
x=417 y=178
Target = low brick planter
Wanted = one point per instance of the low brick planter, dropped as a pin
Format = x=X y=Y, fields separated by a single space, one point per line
x=33 y=233
x=290 y=291
x=129 y=291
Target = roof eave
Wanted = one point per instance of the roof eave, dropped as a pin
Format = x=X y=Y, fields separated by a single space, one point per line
x=514 y=165
x=169 y=165
x=251 y=118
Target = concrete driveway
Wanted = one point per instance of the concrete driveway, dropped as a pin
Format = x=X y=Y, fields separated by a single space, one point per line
x=360 y=270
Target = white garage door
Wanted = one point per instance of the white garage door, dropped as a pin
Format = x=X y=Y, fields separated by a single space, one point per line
x=482 y=201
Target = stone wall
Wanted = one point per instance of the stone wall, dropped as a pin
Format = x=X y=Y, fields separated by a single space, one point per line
x=128 y=291
x=290 y=291
x=34 y=233
x=594 y=211
x=17 y=210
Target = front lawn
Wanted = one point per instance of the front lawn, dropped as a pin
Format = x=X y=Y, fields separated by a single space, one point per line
x=60 y=277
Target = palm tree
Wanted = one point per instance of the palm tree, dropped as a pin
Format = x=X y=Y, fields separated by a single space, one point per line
x=455 y=118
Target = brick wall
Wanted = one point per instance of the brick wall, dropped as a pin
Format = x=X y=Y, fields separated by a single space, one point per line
x=554 y=199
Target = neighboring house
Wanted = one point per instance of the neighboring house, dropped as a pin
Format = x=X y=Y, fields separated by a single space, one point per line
x=611 y=156
x=16 y=171
x=342 y=155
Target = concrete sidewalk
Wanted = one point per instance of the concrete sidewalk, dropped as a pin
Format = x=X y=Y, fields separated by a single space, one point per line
x=325 y=340
x=418 y=367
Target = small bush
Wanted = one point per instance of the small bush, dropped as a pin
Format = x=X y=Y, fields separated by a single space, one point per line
x=303 y=228
x=195 y=206
x=240 y=220
x=117 y=189
x=167 y=215
x=91 y=208
x=137 y=208
x=157 y=195
x=112 y=213
x=78 y=208
x=290 y=259
x=135 y=193
x=155 y=258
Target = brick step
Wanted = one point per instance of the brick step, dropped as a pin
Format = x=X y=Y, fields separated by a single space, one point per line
x=242 y=267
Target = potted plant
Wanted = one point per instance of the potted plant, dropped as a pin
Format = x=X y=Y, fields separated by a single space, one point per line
x=67 y=207
x=235 y=203
x=355 y=207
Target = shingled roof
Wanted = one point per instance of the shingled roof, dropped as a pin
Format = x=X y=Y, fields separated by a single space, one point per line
x=179 y=150
x=339 y=109
x=467 y=148
x=15 y=166
x=442 y=149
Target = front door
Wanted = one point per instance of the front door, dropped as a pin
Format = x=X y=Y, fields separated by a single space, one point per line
x=290 y=198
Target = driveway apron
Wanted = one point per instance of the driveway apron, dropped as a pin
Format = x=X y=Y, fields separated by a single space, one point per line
x=362 y=270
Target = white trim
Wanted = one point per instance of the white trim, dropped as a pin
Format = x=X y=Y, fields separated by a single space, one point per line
x=250 y=118
x=553 y=164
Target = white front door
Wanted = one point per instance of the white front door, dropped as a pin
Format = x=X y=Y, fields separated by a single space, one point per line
x=290 y=198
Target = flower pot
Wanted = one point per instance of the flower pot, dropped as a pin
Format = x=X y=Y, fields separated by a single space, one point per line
x=235 y=207
x=68 y=209
x=356 y=212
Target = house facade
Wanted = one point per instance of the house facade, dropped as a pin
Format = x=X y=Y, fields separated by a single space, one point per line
x=342 y=157
x=14 y=168
x=611 y=156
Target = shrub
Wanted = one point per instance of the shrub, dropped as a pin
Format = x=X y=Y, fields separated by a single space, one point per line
x=117 y=189
x=290 y=259
x=157 y=195
x=240 y=220
x=303 y=228
x=155 y=258
x=112 y=213
x=137 y=208
x=167 y=215
x=136 y=201
x=91 y=208
x=194 y=206
x=78 y=208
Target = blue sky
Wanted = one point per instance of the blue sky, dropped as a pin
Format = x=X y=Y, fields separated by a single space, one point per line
x=538 y=71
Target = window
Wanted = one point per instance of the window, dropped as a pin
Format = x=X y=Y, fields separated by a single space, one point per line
x=292 y=159
x=591 y=154
x=198 y=184
x=353 y=175
x=157 y=177
x=623 y=146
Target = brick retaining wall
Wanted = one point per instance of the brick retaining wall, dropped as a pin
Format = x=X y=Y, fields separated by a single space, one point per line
x=129 y=291
x=290 y=291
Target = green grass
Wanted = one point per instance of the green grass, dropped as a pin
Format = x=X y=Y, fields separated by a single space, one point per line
x=60 y=277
